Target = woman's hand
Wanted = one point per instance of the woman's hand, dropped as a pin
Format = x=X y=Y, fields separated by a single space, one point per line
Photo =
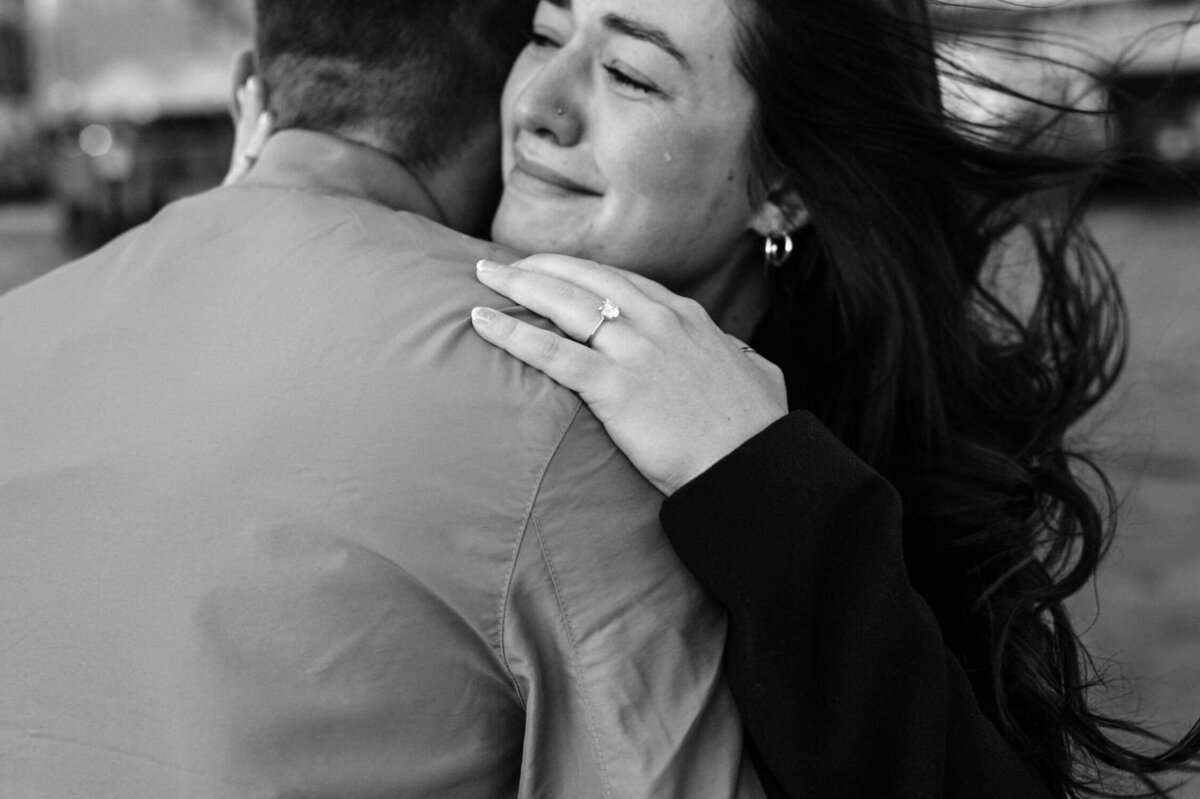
x=674 y=392
x=252 y=125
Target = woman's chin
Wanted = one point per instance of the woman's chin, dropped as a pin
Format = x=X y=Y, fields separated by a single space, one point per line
x=531 y=237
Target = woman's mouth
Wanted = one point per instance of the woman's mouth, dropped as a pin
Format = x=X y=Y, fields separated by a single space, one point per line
x=532 y=175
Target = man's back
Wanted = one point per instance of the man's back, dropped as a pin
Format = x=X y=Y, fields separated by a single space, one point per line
x=277 y=523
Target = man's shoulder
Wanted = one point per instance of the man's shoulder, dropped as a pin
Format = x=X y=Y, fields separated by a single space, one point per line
x=404 y=231
x=288 y=216
x=324 y=288
x=326 y=251
x=383 y=299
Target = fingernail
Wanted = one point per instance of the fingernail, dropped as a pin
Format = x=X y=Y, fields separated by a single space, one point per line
x=484 y=265
x=240 y=94
x=483 y=316
x=252 y=84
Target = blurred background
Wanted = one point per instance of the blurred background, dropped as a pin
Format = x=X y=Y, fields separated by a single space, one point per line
x=110 y=109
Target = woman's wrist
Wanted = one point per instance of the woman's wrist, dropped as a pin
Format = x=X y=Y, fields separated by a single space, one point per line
x=702 y=458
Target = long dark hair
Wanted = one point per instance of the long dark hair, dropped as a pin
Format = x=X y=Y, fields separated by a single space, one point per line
x=890 y=327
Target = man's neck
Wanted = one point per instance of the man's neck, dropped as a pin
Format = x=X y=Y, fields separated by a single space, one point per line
x=465 y=187
x=338 y=165
x=468 y=186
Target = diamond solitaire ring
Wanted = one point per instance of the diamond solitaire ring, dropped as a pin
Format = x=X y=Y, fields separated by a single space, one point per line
x=608 y=311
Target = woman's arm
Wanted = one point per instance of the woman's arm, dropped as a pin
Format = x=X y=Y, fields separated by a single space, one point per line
x=659 y=374
x=838 y=667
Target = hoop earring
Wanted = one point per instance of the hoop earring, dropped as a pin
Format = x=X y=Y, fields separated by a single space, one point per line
x=777 y=248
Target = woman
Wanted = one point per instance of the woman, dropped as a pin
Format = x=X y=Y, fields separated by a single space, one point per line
x=871 y=654
x=887 y=333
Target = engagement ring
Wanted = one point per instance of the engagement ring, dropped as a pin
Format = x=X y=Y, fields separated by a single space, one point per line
x=608 y=311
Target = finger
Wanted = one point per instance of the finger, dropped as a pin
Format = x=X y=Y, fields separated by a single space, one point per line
x=251 y=137
x=562 y=360
x=600 y=280
x=243 y=131
x=235 y=109
x=241 y=125
x=247 y=104
x=239 y=168
x=604 y=280
x=651 y=288
x=575 y=310
x=264 y=127
x=250 y=108
x=603 y=274
x=253 y=100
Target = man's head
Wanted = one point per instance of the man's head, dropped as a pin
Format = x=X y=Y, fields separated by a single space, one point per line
x=416 y=77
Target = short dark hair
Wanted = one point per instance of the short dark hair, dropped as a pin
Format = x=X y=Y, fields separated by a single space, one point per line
x=418 y=74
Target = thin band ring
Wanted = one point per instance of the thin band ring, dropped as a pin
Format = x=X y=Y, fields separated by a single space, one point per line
x=608 y=311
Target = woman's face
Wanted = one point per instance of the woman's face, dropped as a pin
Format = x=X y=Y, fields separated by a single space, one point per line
x=625 y=124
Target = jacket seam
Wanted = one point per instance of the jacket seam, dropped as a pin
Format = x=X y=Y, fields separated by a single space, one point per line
x=353 y=212
x=526 y=520
x=577 y=667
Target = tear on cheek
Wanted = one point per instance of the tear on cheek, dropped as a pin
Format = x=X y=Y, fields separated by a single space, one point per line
x=662 y=135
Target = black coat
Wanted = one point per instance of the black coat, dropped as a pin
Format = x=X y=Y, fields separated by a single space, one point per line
x=838 y=666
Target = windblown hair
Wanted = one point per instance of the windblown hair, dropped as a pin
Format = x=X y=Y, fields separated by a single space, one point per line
x=890 y=327
x=420 y=75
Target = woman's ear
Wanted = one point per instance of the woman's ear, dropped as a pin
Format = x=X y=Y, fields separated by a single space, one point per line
x=782 y=212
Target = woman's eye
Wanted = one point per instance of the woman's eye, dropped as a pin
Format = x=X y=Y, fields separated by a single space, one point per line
x=538 y=39
x=627 y=81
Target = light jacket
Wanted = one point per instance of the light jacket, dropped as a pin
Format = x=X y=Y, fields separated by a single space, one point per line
x=275 y=522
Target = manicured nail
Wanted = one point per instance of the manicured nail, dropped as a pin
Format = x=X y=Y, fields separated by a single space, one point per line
x=483 y=316
x=484 y=265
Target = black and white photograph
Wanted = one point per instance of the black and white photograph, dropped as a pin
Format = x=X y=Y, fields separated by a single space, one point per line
x=630 y=399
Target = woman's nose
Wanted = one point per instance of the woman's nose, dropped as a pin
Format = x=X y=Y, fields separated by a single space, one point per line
x=551 y=103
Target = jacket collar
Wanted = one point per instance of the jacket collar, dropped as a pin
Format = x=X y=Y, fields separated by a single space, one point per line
x=327 y=164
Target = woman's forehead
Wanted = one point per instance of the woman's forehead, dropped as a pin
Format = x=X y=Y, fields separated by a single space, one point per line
x=668 y=23
x=698 y=34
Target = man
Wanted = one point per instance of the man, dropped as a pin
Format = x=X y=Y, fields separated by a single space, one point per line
x=277 y=523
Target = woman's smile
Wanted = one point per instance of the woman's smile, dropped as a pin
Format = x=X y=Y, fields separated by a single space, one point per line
x=533 y=177
x=601 y=92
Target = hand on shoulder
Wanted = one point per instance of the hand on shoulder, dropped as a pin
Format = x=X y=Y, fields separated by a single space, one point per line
x=675 y=393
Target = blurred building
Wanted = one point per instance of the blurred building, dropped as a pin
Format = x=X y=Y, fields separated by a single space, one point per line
x=21 y=165
x=14 y=77
x=132 y=98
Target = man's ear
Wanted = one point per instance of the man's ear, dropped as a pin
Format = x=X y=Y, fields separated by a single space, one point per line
x=783 y=211
x=245 y=66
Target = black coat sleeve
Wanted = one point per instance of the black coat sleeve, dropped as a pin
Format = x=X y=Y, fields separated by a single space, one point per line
x=837 y=665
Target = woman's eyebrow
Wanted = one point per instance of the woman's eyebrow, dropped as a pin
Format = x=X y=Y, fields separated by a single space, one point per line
x=647 y=33
x=638 y=30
